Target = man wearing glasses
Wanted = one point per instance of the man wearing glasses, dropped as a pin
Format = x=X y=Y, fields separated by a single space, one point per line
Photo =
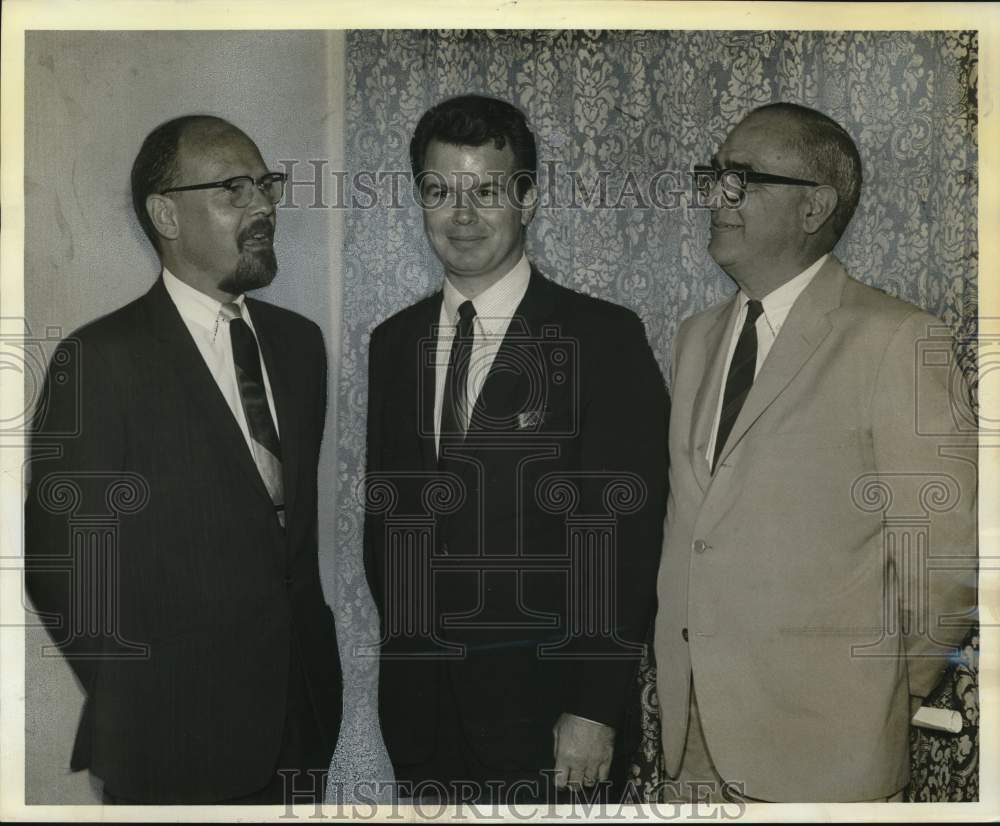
x=795 y=628
x=209 y=660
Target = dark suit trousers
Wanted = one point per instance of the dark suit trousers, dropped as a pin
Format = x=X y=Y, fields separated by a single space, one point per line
x=456 y=773
x=302 y=756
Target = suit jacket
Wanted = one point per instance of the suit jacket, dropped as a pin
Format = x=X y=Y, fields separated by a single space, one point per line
x=480 y=567
x=793 y=585
x=199 y=596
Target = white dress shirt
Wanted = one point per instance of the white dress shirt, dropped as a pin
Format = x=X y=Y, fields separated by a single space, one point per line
x=203 y=317
x=494 y=309
x=777 y=304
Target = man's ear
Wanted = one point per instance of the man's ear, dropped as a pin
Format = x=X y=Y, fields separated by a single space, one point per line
x=162 y=212
x=818 y=207
x=528 y=203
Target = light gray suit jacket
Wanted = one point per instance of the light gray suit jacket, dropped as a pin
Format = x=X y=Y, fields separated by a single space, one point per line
x=822 y=574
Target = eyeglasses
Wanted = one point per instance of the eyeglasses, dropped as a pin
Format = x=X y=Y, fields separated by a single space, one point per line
x=734 y=181
x=241 y=188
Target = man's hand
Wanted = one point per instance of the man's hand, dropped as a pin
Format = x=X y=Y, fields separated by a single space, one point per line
x=583 y=751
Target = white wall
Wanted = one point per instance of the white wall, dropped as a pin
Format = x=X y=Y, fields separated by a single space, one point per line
x=90 y=99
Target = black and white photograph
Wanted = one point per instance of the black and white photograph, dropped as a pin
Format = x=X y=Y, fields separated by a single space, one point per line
x=529 y=411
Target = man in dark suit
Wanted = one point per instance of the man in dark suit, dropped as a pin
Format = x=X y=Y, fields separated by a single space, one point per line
x=516 y=460
x=198 y=627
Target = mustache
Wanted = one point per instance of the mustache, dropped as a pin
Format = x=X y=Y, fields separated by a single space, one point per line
x=261 y=227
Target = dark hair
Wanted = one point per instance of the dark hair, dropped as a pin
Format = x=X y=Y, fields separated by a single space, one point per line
x=155 y=167
x=829 y=154
x=473 y=120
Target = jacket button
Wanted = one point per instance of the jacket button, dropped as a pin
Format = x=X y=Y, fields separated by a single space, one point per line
x=684 y=634
x=700 y=546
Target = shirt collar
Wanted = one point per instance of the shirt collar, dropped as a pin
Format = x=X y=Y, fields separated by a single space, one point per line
x=496 y=305
x=194 y=306
x=778 y=303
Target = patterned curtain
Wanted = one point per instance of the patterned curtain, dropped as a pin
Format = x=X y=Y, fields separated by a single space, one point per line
x=626 y=105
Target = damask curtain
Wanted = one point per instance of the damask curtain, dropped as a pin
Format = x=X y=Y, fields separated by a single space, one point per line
x=623 y=106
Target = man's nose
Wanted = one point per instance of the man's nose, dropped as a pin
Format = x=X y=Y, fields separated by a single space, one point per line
x=464 y=211
x=716 y=194
x=261 y=203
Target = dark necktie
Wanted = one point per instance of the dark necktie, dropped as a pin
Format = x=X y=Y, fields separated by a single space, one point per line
x=454 y=407
x=263 y=434
x=740 y=377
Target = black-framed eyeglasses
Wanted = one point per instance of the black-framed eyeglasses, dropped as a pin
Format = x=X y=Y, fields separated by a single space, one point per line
x=241 y=188
x=734 y=181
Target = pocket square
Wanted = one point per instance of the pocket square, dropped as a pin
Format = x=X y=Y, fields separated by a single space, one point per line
x=530 y=420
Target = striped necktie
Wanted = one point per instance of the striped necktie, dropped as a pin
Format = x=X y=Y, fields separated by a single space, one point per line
x=263 y=434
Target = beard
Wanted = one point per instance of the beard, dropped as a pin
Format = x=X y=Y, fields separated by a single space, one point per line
x=255 y=267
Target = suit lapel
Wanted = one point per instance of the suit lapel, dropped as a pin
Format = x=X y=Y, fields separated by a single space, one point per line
x=707 y=398
x=803 y=331
x=280 y=376
x=193 y=374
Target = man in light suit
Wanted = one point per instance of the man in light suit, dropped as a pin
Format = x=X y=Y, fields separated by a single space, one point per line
x=516 y=449
x=192 y=418
x=798 y=620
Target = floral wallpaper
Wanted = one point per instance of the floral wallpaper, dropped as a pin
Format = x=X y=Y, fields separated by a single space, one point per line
x=629 y=107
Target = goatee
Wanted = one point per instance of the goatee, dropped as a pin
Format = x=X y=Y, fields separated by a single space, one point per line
x=255 y=267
